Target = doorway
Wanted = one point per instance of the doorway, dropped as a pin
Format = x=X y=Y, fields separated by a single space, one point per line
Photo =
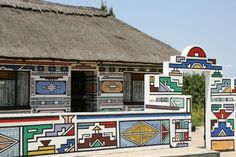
x=78 y=91
x=83 y=91
x=194 y=85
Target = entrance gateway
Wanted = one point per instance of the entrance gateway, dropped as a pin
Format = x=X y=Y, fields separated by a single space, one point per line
x=163 y=93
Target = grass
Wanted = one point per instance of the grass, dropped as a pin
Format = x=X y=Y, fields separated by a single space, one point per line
x=198 y=116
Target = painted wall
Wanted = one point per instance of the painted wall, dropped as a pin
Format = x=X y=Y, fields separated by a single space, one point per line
x=110 y=91
x=164 y=94
x=50 y=89
x=49 y=84
x=44 y=134
x=114 y=86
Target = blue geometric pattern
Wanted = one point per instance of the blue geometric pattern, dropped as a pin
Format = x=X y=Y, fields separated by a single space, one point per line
x=190 y=62
x=70 y=143
x=129 y=124
x=13 y=135
x=222 y=130
x=50 y=87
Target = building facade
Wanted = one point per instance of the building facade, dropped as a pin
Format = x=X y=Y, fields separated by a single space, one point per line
x=58 y=58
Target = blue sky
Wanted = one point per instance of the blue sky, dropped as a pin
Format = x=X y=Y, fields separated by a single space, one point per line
x=179 y=23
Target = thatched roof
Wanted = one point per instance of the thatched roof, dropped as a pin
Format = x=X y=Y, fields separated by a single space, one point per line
x=37 y=29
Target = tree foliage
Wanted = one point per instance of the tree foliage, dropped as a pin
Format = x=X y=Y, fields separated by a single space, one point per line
x=105 y=8
x=194 y=85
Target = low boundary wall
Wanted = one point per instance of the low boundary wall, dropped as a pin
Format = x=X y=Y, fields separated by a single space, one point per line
x=44 y=134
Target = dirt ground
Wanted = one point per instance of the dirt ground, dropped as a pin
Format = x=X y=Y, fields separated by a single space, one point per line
x=198 y=141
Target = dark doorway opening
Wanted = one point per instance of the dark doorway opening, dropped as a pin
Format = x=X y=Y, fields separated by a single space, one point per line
x=83 y=91
x=78 y=91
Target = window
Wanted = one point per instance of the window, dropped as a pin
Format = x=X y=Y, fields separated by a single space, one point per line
x=133 y=88
x=14 y=90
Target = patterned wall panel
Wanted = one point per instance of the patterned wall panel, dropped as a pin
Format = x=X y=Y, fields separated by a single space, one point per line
x=45 y=139
x=50 y=89
x=110 y=91
x=97 y=135
x=10 y=141
x=182 y=132
x=47 y=82
x=112 y=87
x=48 y=134
x=168 y=84
x=144 y=133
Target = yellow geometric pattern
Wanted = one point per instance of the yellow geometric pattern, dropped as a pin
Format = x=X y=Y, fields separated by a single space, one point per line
x=141 y=133
x=222 y=133
x=43 y=150
x=197 y=66
x=227 y=89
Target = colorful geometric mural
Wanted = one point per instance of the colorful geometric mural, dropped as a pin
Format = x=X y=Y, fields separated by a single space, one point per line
x=169 y=85
x=46 y=134
x=9 y=141
x=50 y=88
x=112 y=87
x=43 y=139
x=221 y=87
x=220 y=98
x=143 y=133
x=222 y=126
x=47 y=79
x=110 y=91
x=97 y=135
x=177 y=102
x=182 y=132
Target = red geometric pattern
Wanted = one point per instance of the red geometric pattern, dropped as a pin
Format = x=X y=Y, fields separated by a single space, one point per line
x=165 y=132
x=222 y=114
x=197 y=50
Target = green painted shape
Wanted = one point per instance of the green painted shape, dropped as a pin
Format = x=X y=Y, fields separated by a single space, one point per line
x=231 y=122
x=167 y=124
x=97 y=144
x=217 y=74
x=179 y=102
x=167 y=140
x=181 y=136
x=215 y=107
x=182 y=126
x=30 y=131
x=173 y=85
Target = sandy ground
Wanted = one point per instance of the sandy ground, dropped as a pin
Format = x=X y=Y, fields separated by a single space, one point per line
x=198 y=141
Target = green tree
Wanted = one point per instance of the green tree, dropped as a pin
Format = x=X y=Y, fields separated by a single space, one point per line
x=194 y=85
x=105 y=8
x=111 y=12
